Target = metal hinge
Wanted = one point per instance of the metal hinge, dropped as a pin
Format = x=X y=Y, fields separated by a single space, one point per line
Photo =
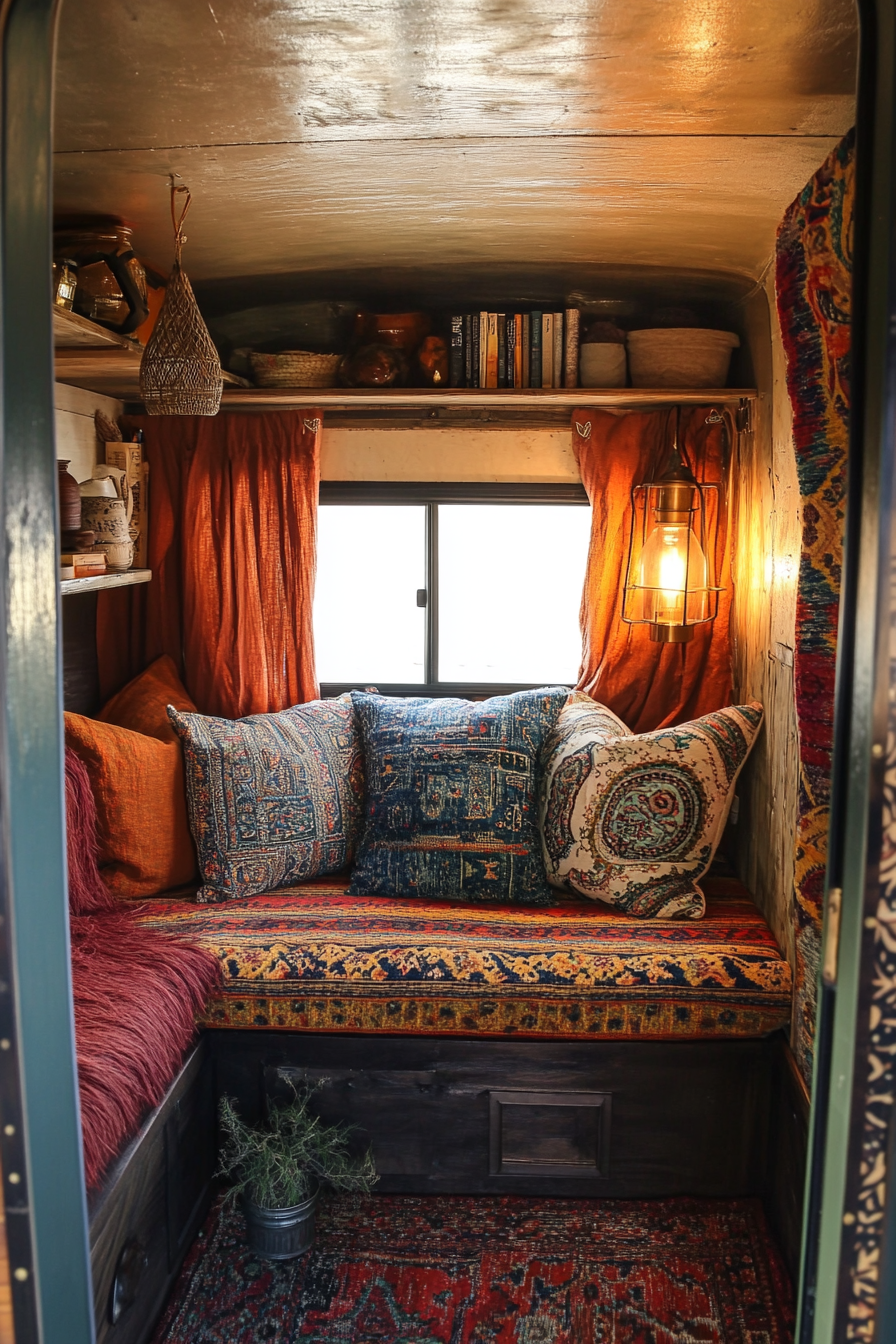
x=832 y=937
x=743 y=417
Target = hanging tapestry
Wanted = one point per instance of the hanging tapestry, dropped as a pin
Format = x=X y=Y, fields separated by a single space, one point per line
x=813 y=282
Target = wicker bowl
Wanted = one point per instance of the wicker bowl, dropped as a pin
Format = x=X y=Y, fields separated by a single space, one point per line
x=294 y=368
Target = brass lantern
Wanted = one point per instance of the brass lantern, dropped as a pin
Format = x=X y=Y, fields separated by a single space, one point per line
x=669 y=581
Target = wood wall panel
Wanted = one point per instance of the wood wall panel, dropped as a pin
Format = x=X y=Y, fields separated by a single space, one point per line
x=532 y=455
x=76 y=438
x=767 y=549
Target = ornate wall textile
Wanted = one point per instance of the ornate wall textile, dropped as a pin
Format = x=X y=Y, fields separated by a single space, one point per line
x=648 y=685
x=232 y=547
x=814 y=276
x=867 y=1196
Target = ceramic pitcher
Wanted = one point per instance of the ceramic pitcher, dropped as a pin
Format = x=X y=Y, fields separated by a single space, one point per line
x=106 y=508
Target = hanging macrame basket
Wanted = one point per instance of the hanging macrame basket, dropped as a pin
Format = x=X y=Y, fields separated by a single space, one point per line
x=180 y=372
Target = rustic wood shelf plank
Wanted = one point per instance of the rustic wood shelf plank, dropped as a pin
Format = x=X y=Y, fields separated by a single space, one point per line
x=93 y=582
x=257 y=398
x=100 y=360
x=71 y=330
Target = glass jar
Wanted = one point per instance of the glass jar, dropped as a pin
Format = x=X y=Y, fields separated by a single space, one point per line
x=65 y=282
x=111 y=281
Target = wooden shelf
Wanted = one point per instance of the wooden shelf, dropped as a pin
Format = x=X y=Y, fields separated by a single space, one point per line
x=282 y=398
x=71 y=331
x=100 y=360
x=94 y=582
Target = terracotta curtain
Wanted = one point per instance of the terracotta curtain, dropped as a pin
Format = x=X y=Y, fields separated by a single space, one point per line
x=232 y=547
x=649 y=685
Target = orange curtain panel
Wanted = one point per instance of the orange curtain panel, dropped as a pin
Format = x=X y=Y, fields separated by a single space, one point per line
x=232 y=547
x=649 y=685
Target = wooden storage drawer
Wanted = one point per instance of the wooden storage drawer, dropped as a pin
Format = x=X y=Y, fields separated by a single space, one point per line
x=151 y=1205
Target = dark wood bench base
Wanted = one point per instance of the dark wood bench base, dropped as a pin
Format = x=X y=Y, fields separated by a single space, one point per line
x=446 y=1116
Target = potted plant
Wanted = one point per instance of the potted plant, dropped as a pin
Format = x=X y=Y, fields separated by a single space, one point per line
x=277 y=1169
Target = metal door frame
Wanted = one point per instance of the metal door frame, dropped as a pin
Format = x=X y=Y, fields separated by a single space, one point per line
x=43 y=1169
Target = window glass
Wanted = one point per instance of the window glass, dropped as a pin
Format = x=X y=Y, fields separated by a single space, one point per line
x=371 y=561
x=510 y=585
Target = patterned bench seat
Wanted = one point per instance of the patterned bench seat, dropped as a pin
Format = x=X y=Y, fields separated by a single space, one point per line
x=312 y=958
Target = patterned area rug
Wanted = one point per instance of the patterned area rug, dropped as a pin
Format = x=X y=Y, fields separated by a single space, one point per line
x=814 y=284
x=493 y=1271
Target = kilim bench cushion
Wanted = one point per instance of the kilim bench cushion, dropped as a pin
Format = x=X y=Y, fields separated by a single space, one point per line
x=313 y=958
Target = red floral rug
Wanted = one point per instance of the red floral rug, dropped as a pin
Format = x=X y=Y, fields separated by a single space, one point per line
x=392 y=1270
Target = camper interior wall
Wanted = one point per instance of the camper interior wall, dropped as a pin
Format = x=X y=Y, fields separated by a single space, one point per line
x=767 y=549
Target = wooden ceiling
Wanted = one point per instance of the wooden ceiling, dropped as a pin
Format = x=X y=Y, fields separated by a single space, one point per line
x=333 y=146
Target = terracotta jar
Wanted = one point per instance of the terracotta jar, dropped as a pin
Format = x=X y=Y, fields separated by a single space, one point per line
x=69 y=499
x=404 y=330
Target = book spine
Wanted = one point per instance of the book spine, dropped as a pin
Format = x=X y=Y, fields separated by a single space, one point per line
x=475 y=345
x=502 y=349
x=491 y=366
x=468 y=351
x=557 y=379
x=571 y=351
x=456 y=356
x=517 y=326
x=483 y=349
x=547 y=349
x=511 y=351
x=527 y=352
x=535 y=355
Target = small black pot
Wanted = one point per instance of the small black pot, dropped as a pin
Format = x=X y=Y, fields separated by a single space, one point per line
x=281 y=1234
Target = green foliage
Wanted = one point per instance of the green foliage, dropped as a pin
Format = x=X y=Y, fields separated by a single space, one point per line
x=278 y=1164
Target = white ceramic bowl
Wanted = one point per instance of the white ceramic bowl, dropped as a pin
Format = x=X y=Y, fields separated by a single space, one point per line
x=680 y=357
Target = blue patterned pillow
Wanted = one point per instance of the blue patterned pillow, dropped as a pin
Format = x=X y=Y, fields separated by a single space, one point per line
x=274 y=799
x=452 y=797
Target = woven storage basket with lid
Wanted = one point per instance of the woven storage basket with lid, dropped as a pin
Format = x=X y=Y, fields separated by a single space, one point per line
x=180 y=372
x=294 y=368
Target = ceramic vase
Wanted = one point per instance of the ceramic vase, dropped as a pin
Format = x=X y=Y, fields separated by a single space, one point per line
x=69 y=499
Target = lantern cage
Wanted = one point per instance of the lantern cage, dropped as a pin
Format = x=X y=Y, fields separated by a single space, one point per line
x=670 y=577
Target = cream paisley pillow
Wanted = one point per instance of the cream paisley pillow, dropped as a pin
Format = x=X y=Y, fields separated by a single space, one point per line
x=635 y=819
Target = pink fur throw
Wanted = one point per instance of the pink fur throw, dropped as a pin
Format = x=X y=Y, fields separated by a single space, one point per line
x=136 y=991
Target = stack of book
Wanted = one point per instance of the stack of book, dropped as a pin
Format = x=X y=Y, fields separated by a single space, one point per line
x=535 y=349
x=82 y=564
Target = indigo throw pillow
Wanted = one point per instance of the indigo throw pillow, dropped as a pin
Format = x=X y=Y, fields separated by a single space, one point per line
x=274 y=799
x=452 y=797
x=635 y=819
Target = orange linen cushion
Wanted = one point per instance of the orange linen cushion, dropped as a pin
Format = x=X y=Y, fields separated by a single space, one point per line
x=142 y=705
x=144 y=839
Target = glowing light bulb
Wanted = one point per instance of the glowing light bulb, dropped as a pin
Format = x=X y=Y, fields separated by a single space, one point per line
x=673 y=578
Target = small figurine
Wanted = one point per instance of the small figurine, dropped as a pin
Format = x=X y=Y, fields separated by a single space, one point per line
x=433 y=360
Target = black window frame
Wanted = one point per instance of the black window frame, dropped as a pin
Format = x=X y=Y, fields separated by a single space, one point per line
x=431 y=494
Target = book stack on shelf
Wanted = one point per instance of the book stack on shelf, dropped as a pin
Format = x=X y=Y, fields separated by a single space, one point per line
x=535 y=349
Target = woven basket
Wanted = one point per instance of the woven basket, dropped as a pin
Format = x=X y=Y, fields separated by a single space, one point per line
x=180 y=372
x=294 y=368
